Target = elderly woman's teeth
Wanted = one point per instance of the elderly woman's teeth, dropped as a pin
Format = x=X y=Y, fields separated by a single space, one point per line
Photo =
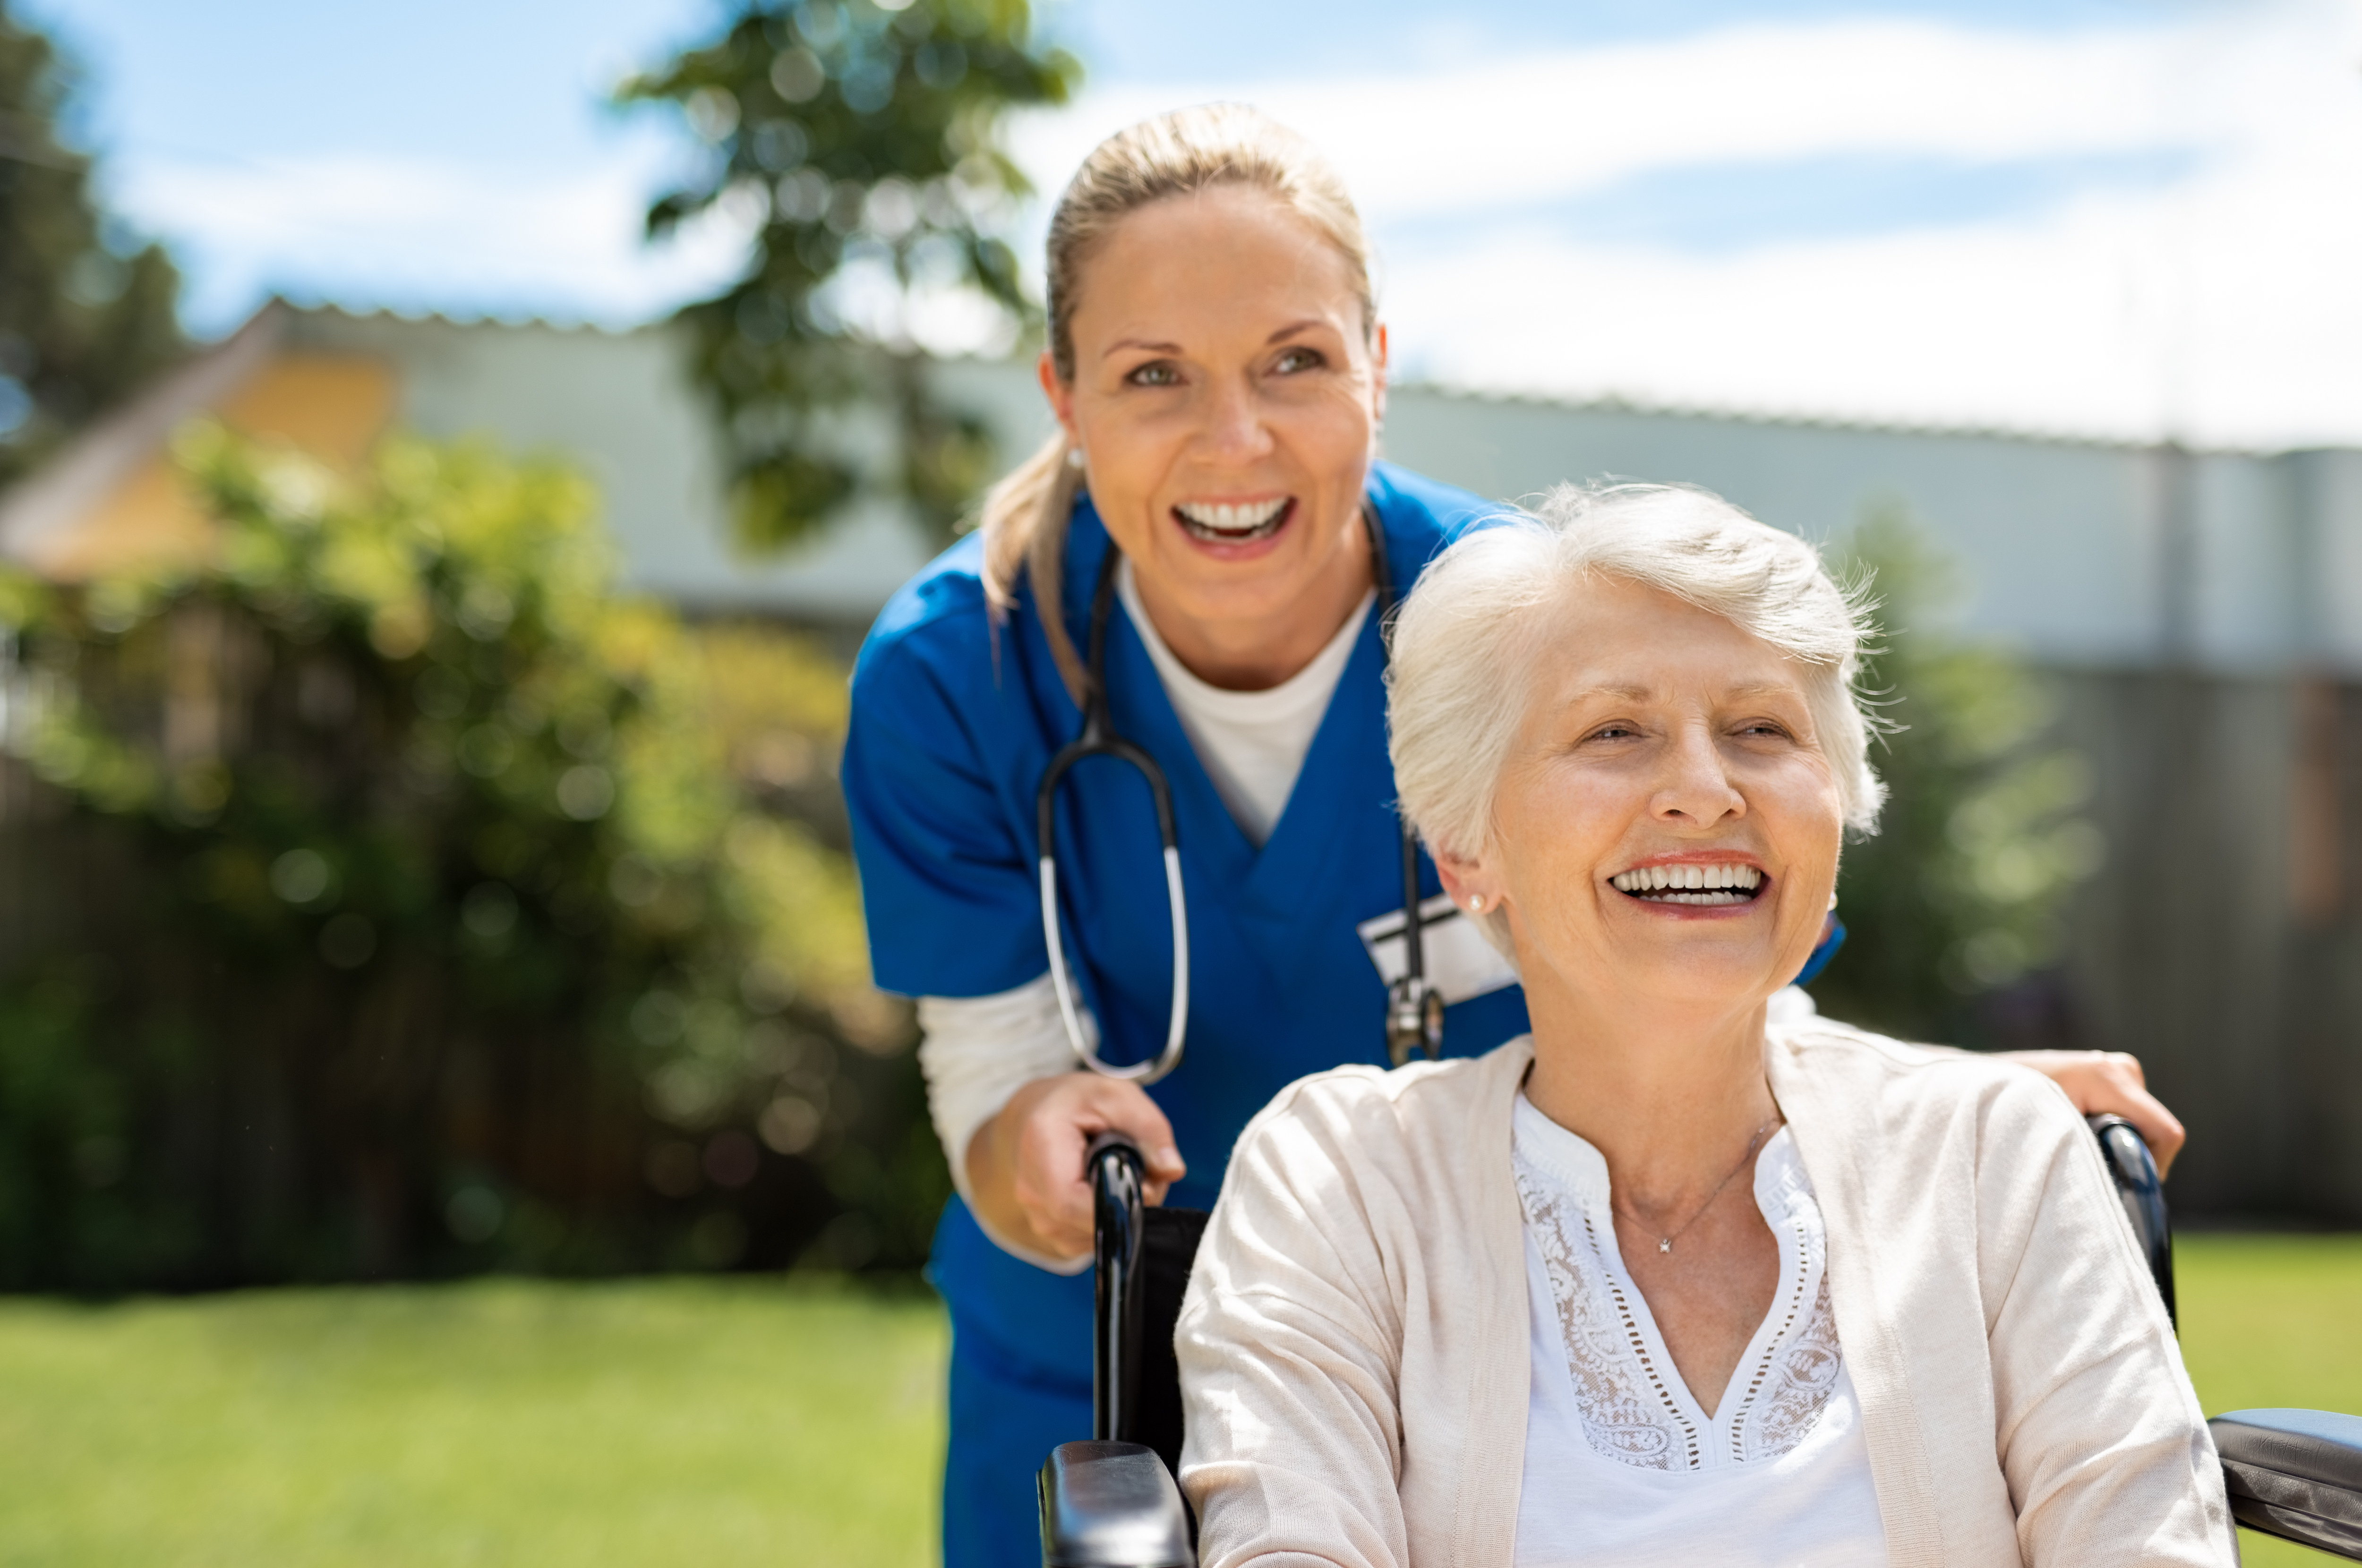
x=1224 y=525
x=1690 y=884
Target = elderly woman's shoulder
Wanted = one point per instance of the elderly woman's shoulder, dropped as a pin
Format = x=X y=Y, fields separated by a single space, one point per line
x=1904 y=1081
x=1364 y=1112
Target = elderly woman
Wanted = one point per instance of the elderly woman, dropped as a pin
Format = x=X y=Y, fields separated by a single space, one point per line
x=1519 y=1308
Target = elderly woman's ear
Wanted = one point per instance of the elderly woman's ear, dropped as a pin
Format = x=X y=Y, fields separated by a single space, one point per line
x=1470 y=884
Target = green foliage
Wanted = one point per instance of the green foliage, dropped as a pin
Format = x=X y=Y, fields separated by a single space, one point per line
x=85 y=312
x=865 y=137
x=523 y=896
x=1961 y=893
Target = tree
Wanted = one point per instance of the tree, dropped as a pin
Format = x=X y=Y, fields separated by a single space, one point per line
x=418 y=903
x=865 y=137
x=1956 y=902
x=86 y=313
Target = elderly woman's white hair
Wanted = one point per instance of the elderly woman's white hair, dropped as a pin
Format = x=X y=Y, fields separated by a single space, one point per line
x=1468 y=639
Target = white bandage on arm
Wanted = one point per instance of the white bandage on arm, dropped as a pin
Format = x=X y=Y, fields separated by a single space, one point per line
x=977 y=1052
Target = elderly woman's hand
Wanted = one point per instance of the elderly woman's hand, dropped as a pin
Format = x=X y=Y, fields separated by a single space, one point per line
x=2110 y=1083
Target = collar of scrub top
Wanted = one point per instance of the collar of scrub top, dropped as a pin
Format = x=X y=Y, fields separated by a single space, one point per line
x=1413 y=1009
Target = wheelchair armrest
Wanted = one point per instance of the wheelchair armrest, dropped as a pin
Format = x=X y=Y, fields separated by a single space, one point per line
x=1111 y=1505
x=2296 y=1473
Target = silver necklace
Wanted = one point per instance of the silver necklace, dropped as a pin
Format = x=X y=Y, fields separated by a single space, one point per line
x=1666 y=1243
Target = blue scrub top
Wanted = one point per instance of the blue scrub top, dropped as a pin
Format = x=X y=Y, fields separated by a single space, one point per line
x=953 y=722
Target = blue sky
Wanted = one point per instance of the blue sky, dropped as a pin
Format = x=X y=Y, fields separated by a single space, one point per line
x=2100 y=216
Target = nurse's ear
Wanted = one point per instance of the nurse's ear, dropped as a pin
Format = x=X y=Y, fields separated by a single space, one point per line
x=1378 y=381
x=1060 y=396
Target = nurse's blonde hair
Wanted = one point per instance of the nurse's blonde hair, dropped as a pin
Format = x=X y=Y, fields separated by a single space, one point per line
x=1179 y=154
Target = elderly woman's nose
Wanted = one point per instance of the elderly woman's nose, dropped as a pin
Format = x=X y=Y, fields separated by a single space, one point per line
x=1695 y=783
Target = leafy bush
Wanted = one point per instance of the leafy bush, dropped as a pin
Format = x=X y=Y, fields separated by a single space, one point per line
x=427 y=906
x=1955 y=907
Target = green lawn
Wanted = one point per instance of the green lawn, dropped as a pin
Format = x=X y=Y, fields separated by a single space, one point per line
x=505 y=1422
x=675 y=1422
x=2270 y=1320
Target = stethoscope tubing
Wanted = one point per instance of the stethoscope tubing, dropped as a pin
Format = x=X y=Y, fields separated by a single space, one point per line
x=1099 y=739
x=1414 y=1008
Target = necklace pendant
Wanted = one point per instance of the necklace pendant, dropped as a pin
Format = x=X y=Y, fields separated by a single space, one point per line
x=1665 y=1244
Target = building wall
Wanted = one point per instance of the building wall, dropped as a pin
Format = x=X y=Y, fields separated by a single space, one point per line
x=2082 y=554
x=622 y=406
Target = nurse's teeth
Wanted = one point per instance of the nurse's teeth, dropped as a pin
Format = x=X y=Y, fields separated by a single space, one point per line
x=1712 y=884
x=1228 y=521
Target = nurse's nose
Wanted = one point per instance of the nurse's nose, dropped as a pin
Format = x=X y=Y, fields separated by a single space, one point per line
x=1234 y=433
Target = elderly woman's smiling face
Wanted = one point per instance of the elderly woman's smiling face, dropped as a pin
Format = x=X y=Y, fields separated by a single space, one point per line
x=1666 y=826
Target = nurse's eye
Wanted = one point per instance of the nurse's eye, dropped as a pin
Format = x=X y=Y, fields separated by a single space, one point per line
x=1293 y=361
x=1156 y=373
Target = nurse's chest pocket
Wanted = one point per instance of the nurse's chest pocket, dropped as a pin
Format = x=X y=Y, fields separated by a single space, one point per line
x=1456 y=958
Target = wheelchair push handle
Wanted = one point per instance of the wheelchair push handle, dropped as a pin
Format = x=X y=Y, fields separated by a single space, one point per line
x=2142 y=1192
x=1119 y=1202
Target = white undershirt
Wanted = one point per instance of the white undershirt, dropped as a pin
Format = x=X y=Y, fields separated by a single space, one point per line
x=1251 y=743
x=1623 y=1467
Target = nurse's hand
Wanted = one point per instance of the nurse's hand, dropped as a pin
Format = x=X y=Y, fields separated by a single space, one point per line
x=2110 y=1083
x=1025 y=1165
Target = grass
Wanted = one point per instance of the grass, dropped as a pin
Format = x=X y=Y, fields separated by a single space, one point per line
x=500 y=1422
x=2270 y=1320
x=676 y=1422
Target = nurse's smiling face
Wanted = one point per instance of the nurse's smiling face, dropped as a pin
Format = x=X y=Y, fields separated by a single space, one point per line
x=1225 y=399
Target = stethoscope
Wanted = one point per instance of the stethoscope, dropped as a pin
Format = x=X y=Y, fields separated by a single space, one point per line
x=1413 y=1009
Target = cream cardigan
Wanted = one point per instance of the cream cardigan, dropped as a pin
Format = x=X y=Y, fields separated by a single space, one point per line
x=1353 y=1347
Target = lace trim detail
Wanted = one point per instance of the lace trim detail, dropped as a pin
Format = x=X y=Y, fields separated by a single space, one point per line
x=1798 y=1370
x=1604 y=1351
x=1629 y=1413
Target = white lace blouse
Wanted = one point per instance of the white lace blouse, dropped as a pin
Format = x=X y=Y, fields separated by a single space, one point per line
x=1622 y=1464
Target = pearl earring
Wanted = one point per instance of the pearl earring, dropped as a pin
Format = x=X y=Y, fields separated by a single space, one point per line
x=1074 y=457
x=1476 y=904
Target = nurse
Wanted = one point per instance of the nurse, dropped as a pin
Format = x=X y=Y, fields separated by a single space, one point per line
x=1217 y=372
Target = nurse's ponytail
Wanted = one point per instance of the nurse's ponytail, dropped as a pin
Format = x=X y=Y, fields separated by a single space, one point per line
x=1025 y=516
x=1024 y=528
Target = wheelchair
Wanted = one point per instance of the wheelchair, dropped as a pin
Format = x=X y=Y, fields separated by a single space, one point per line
x=1112 y=1502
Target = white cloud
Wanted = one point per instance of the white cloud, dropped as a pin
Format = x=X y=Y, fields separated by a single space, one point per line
x=2220 y=305
x=422 y=234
